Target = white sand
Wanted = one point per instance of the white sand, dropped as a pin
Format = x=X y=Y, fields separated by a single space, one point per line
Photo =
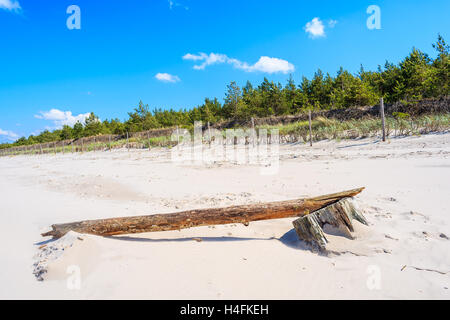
x=407 y=203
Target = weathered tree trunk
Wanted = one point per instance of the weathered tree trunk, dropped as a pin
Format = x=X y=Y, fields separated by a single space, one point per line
x=339 y=215
x=204 y=217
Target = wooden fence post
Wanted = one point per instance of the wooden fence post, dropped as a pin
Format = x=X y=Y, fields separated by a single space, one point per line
x=310 y=128
x=254 y=135
x=383 y=121
x=209 y=134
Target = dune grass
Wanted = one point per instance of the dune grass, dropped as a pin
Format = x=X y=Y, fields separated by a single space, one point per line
x=322 y=128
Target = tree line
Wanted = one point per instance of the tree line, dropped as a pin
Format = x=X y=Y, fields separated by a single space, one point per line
x=416 y=77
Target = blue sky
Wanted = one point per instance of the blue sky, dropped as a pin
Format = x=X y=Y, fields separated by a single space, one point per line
x=159 y=51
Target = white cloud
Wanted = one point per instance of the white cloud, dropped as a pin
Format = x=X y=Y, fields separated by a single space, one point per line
x=9 y=135
x=212 y=58
x=174 y=4
x=11 y=5
x=264 y=64
x=194 y=57
x=166 y=77
x=332 y=23
x=315 y=28
x=61 y=118
x=272 y=65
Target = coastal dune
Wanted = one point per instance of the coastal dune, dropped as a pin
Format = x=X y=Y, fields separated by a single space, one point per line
x=402 y=254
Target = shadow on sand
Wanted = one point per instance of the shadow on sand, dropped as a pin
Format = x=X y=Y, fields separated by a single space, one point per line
x=289 y=239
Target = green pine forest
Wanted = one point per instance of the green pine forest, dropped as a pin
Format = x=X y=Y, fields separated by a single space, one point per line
x=417 y=76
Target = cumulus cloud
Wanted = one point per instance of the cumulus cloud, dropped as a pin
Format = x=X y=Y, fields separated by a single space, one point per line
x=272 y=65
x=9 y=135
x=265 y=64
x=166 y=77
x=61 y=118
x=10 y=5
x=315 y=28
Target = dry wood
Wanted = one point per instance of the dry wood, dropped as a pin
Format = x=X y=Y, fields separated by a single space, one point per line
x=383 y=121
x=339 y=215
x=310 y=129
x=204 y=217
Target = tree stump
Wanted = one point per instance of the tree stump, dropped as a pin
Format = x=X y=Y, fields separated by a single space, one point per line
x=338 y=215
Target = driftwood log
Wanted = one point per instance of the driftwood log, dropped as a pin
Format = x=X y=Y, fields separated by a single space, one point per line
x=338 y=215
x=204 y=217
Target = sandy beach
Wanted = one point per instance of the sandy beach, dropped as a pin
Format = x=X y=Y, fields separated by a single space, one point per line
x=403 y=254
